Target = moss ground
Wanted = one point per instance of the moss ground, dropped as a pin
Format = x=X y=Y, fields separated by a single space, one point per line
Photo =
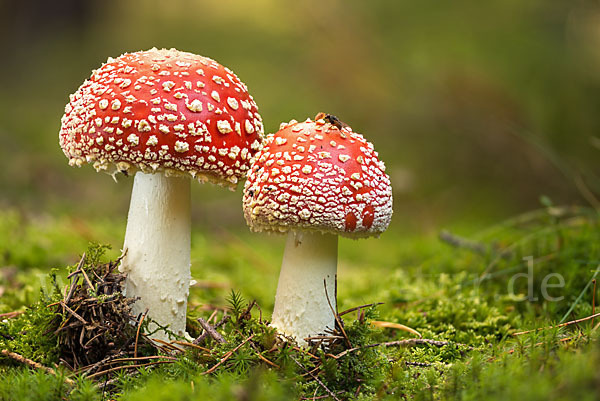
x=474 y=292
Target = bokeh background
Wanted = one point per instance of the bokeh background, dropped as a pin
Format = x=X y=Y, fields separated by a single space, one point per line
x=477 y=108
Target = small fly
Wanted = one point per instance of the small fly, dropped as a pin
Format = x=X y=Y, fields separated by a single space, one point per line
x=331 y=119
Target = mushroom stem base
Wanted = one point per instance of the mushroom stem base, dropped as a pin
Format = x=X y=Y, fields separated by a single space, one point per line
x=157 y=245
x=309 y=267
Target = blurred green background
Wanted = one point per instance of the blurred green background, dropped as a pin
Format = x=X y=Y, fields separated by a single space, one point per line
x=477 y=108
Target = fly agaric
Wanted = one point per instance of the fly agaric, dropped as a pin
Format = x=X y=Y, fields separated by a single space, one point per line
x=315 y=180
x=165 y=116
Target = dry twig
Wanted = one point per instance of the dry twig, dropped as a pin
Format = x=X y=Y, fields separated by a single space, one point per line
x=227 y=356
x=558 y=325
x=33 y=364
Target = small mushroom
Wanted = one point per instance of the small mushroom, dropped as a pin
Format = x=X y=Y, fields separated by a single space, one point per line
x=315 y=180
x=165 y=116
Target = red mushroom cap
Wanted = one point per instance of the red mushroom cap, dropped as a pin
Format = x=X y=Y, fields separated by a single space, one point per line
x=163 y=110
x=318 y=176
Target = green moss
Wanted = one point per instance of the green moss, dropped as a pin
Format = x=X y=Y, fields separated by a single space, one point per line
x=446 y=293
x=26 y=385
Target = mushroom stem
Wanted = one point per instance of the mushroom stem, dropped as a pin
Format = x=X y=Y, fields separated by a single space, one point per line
x=301 y=307
x=157 y=246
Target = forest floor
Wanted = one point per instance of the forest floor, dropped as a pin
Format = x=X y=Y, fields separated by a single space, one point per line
x=498 y=313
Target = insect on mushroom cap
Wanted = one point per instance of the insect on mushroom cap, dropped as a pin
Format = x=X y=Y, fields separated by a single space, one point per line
x=163 y=111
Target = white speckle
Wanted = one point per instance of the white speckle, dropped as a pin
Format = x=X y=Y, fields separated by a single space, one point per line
x=233 y=103
x=153 y=140
x=116 y=104
x=215 y=95
x=344 y=158
x=126 y=82
x=195 y=106
x=181 y=146
x=307 y=169
x=171 y=106
x=133 y=138
x=280 y=141
x=168 y=85
x=164 y=129
x=304 y=213
x=103 y=104
x=224 y=127
x=249 y=127
x=143 y=126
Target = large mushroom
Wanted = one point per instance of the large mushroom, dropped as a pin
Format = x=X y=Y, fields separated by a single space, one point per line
x=315 y=180
x=165 y=116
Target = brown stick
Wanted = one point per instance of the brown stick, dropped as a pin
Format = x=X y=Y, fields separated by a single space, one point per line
x=167 y=345
x=359 y=307
x=559 y=325
x=33 y=364
x=409 y=342
x=227 y=356
x=211 y=331
x=562 y=340
x=593 y=302
x=304 y=351
x=108 y=361
x=220 y=323
x=212 y=315
x=127 y=367
x=187 y=344
x=10 y=315
x=317 y=380
x=137 y=334
x=87 y=280
x=263 y=358
x=335 y=315
x=72 y=312
x=142 y=358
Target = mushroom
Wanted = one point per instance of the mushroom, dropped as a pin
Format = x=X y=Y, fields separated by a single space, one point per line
x=315 y=180
x=165 y=116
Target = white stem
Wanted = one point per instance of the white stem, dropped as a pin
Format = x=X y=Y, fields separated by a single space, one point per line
x=157 y=241
x=301 y=307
